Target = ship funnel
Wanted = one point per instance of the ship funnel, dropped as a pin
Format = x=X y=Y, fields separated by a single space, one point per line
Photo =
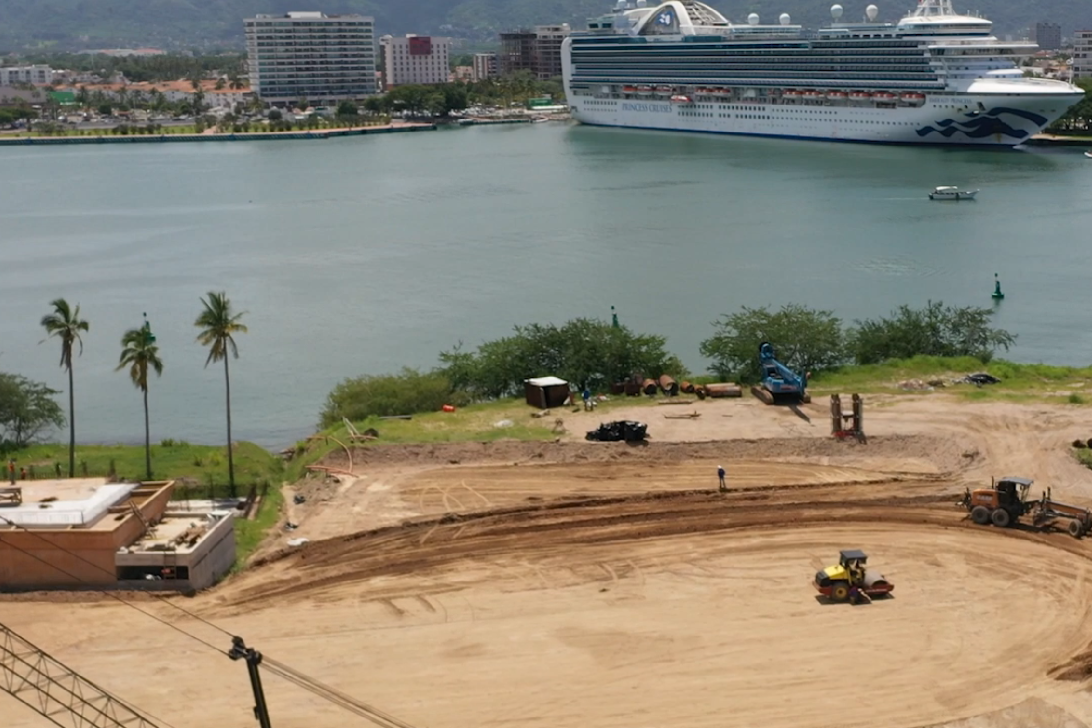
x=872 y=11
x=836 y=12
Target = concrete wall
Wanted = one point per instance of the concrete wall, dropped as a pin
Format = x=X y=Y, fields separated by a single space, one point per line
x=48 y=559
x=42 y=558
x=211 y=558
x=214 y=556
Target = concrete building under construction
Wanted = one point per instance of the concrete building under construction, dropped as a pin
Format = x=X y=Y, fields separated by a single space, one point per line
x=88 y=533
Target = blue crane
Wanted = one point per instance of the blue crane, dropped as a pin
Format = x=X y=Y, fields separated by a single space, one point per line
x=779 y=383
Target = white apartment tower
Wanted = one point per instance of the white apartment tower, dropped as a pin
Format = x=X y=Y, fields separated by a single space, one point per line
x=310 y=55
x=485 y=66
x=415 y=59
x=1082 y=54
x=38 y=75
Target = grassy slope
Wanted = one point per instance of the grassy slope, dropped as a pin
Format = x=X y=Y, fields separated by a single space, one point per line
x=1018 y=381
x=200 y=464
x=475 y=423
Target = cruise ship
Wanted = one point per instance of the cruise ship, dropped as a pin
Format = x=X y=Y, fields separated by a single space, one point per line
x=934 y=77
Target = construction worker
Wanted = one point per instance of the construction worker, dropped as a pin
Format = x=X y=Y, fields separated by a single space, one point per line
x=720 y=477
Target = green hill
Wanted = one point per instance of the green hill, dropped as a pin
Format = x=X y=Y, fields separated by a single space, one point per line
x=76 y=24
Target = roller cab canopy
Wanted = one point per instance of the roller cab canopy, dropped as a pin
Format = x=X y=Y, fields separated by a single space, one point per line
x=852 y=555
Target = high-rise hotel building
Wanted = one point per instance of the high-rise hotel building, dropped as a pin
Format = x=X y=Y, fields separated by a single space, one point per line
x=309 y=55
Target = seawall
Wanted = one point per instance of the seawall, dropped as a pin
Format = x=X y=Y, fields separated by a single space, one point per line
x=239 y=137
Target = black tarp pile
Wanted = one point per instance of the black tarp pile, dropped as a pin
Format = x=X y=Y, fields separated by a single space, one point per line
x=622 y=430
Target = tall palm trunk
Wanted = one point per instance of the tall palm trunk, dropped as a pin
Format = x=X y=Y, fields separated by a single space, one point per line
x=230 y=460
x=71 y=425
x=147 y=436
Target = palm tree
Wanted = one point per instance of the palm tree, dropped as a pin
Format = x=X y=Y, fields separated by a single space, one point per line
x=139 y=353
x=65 y=324
x=218 y=324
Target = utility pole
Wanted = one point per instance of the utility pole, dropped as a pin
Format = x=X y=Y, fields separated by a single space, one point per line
x=239 y=651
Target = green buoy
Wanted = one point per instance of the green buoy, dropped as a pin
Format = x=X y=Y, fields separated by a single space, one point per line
x=997 y=294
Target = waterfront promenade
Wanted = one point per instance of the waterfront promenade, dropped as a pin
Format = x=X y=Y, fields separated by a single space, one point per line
x=215 y=136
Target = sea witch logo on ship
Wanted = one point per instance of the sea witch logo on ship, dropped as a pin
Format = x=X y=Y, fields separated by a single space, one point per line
x=654 y=108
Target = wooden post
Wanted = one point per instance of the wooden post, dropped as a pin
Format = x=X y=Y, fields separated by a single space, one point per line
x=835 y=414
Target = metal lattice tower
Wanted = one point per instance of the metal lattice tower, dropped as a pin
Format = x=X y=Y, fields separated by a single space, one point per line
x=57 y=692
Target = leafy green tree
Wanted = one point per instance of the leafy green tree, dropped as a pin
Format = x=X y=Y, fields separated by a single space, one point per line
x=219 y=324
x=65 y=324
x=27 y=409
x=347 y=109
x=275 y=115
x=804 y=339
x=586 y=352
x=456 y=97
x=935 y=330
x=140 y=353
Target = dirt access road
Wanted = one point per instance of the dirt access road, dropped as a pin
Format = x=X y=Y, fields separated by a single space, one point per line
x=577 y=584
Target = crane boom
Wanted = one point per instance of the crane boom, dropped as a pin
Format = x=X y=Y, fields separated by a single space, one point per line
x=57 y=692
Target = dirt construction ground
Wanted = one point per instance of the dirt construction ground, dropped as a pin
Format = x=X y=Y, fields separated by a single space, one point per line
x=589 y=585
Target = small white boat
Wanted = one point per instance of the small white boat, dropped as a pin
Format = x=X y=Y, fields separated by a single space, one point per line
x=952 y=193
x=1088 y=154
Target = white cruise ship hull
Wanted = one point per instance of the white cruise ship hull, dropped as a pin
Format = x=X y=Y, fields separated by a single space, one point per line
x=979 y=120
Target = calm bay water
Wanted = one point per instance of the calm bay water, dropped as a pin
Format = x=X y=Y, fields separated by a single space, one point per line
x=364 y=255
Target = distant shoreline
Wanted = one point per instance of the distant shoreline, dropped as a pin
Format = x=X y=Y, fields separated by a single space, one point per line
x=213 y=137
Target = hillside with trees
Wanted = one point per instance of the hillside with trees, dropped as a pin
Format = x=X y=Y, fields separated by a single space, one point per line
x=78 y=24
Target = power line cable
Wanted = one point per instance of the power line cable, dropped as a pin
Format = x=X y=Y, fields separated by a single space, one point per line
x=276 y=667
x=347 y=702
x=162 y=599
x=112 y=595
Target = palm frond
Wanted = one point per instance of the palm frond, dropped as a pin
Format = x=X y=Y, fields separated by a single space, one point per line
x=217 y=324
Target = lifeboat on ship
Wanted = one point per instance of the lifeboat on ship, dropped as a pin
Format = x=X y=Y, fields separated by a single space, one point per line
x=665 y=89
x=814 y=95
x=722 y=91
x=629 y=89
x=680 y=99
x=914 y=98
x=644 y=89
x=884 y=96
x=790 y=94
x=837 y=95
x=860 y=96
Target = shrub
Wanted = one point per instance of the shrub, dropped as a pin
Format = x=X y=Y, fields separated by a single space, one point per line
x=389 y=394
x=935 y=330
x=1075 y=398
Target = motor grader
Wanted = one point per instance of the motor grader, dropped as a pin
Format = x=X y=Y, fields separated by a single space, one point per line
x=851 y=579
x=1006 y=502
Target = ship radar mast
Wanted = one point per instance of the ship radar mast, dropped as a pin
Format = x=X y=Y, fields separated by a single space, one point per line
x=927 y=8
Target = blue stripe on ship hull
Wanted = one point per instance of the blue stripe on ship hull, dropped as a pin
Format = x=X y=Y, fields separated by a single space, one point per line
x=985 y=125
